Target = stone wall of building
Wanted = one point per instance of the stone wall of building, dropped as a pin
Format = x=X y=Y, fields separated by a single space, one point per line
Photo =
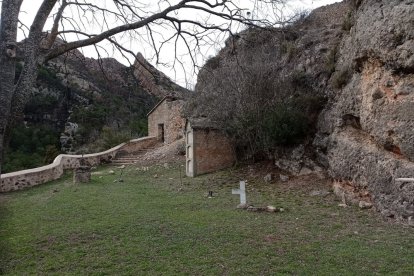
x=32 y=177
x=212 y=151
x=167 y=113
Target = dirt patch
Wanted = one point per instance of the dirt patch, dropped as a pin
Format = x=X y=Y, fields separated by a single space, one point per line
x=169 y=153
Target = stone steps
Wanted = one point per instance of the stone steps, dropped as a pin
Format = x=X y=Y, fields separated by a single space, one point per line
x=131 y=159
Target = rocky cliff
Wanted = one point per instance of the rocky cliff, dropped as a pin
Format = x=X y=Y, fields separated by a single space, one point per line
x=359 y=55
x=367 y=129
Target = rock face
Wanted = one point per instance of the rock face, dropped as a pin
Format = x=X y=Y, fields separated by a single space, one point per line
x=154 y=81
x=360 y=56
x=80 y=96
x=367 y=129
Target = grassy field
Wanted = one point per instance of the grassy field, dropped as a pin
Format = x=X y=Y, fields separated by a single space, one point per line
x=155 y=224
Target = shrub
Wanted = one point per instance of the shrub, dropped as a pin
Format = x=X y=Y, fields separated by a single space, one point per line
x=111 y=137
x=284 y=125
x=300 y=79
x=51 y=152
x=255 y=37
x=31 y=147
x=289 y=48
x=213 y=63
x=348 y=22
x=399 y=38
x=330 y=61
x=139 y=127
x=341 y=78
x=255 y=103
x=355 y=3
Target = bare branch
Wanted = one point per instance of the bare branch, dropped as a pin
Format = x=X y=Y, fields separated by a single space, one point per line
x=54 y=32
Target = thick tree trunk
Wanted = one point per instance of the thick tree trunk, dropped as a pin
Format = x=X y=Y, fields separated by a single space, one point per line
x=13 y=97
x=32 y=59
x=8 y=34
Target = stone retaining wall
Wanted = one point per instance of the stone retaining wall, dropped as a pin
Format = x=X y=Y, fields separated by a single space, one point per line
x=32 y=177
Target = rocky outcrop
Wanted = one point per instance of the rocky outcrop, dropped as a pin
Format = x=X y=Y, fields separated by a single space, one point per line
x=154 y=81
x=366 y=132
x=360 y=56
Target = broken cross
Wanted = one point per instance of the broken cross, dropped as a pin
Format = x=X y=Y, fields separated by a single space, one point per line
x=241 y=192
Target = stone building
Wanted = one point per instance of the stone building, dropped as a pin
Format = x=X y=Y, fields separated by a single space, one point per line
x=165 y=120
x=207 y=149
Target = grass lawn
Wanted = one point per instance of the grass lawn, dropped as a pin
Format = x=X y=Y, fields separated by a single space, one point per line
x=152 y=224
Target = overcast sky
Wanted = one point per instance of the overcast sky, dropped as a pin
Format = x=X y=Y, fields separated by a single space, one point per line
x=29 y=8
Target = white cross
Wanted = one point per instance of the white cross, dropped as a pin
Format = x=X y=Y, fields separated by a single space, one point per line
x=241 y=192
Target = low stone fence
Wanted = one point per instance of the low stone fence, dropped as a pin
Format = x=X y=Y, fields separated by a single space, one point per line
x=27 y=178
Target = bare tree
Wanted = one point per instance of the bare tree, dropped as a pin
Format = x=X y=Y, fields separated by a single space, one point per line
x=156 y=24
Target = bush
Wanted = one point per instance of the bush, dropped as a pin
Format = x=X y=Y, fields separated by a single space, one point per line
x=289 y=48
x=348 y=22
x=139 y=127
x=254 y=37
x=341 y=78
x=284 y=125
x=31 y=147
x=330 y=61
x=213 y=63
x=355 y=3
x=111 y=137
x=252 y=100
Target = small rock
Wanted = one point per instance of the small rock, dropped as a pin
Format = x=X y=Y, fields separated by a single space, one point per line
x=271 y=208
x=284 y=178
x=155 y=175
x=166 y=165
x=111 y=172
x=268 y=177
x=121 y=167
x=364 y=205
x=256 y=209
x=342 y=205
x=410 y=221
x=243 y=206
x=305 y=171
